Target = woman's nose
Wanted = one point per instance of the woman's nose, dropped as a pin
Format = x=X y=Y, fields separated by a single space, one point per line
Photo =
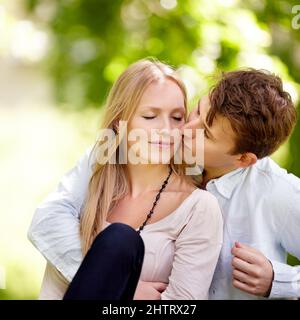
x=164 y=131
x=165 y=125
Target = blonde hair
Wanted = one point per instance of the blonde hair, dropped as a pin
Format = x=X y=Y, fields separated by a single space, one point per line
x=108 y=182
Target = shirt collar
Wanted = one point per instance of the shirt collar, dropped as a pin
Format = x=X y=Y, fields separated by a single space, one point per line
x=227 y=183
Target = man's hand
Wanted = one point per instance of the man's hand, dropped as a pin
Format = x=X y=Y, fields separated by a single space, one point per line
x=149 y=290
x=252 y=271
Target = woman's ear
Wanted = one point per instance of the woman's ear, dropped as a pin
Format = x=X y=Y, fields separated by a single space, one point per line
x=246 y=160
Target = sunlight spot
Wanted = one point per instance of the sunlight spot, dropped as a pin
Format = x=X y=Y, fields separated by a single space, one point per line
x=168 y=4
x=27 y=42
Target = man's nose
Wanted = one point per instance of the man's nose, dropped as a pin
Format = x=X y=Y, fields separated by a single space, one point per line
x=193 y=114
x=192 y=125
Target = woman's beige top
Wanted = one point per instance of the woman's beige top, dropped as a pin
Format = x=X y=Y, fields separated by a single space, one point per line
x=181 y=249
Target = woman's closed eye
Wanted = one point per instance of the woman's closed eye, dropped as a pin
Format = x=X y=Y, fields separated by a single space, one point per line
x=177 y=118
x=152 y=117
x=148 y=117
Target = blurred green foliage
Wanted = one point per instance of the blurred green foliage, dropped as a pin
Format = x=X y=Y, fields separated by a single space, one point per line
x=93 y=41
x=31 y=166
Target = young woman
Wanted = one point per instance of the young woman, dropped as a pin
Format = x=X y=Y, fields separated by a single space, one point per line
x=143 y=226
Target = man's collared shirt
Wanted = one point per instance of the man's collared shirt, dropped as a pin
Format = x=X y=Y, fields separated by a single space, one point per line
x=261 y=208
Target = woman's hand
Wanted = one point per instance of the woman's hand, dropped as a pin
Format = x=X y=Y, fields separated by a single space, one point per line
x=149 y=290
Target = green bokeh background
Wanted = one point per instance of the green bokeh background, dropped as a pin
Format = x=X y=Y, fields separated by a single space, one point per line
x=90 y=42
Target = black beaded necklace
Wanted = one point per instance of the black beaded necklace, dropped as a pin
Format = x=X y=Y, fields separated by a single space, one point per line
x=155 y=201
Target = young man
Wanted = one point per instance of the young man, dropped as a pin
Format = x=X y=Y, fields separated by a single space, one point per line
x=245 y=118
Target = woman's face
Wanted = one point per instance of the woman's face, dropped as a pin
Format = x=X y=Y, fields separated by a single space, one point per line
x=160 y=111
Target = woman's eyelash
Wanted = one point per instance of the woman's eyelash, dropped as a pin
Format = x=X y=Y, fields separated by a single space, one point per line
x=148 y=118
x=177 y=118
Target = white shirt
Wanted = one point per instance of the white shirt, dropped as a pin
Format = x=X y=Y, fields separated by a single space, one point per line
x=260 y=207
x=182 y=249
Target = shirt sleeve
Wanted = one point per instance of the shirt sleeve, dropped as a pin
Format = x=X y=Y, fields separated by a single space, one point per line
x=54 y=285
x=197 y=249
x=286 y=281
x=54 y=229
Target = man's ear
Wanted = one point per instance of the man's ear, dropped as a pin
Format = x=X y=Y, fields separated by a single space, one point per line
x=246 y=160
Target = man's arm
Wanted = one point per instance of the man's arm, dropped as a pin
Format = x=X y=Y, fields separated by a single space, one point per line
x=54 y=229
x=254 y=273
x=286 y=282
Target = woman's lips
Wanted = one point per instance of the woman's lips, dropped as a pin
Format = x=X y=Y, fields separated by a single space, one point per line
x=162 y=144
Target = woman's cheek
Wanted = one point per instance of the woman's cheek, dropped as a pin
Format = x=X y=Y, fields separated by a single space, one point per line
x=139 y=124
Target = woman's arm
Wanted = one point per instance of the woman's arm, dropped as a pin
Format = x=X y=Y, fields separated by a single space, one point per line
x=54 y=229
x=196 y=253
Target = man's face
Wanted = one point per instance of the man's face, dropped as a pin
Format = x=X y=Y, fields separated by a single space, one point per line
x=219 y=139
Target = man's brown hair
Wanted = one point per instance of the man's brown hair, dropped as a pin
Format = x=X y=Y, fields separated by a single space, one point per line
x=260 y=112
